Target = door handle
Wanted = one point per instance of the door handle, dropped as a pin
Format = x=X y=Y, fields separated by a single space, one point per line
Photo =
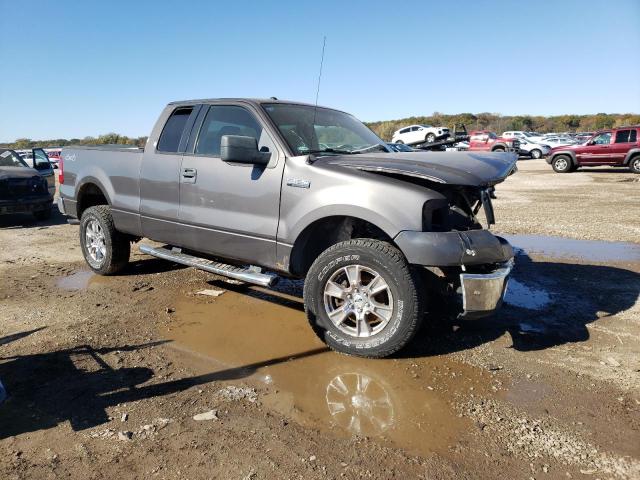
x=189 y=175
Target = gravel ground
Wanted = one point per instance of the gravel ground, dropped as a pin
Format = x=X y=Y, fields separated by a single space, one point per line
x=138 y=376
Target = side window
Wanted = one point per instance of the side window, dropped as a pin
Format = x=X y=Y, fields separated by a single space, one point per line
x=226 y=120
x=172 y=131
x=414 y=129
x=40 y=160
x=404 y=130
x=622 y=136
x=634 y=136
x=603 y=139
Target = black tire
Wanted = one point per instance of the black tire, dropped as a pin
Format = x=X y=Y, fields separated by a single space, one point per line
x=430 y=138
x=536 y=154
x=561 y=164
x=498 y=149
x=400 y=142
x=404 y=284
x=634 y=164
x=43 y=214
x=117 y=245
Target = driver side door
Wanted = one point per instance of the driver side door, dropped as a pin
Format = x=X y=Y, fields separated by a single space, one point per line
x=597 y=150
x=230 y=210
x=44 y=167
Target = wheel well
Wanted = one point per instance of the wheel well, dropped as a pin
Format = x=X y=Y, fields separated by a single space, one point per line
x=328 y=231
x=631 y=157
x=89 y=196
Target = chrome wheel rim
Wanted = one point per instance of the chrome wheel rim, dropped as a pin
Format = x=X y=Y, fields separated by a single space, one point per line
x=358 y=301
x=636 y=164
x=95 y=241
x=536 y=154
x=561 y=164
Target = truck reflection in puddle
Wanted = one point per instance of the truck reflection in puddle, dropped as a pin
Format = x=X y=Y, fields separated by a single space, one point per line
x=392 y=400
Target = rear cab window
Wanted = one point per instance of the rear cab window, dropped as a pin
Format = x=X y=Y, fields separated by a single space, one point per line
x=174 y=129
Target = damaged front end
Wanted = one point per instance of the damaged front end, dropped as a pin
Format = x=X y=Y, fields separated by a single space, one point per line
x=472 y=264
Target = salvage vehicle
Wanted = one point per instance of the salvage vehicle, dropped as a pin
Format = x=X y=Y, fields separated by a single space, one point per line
x=487 y=141
x=419 y=134
x=618 y=147
x=23 y=189
x=257 y=189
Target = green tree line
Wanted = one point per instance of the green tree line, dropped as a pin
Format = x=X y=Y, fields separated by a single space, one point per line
x=480 y=121
x=107 y=139
x=501 y=123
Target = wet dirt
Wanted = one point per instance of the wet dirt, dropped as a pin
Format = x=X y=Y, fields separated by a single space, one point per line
x=586 y=250
x=76 y=281
x=267 y=332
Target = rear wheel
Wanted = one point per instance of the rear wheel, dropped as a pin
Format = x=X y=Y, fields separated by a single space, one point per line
x=535 y=153
x=634 y=164
x=399 y=141
x=105 y=249
x=498 y=149
x=430 y=138
x=561 y=164
x=362 y=298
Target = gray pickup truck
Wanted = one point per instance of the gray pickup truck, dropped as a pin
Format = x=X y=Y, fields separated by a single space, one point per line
x=257 y=189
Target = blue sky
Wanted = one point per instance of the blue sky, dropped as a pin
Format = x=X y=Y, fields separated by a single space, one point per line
x=77 y=68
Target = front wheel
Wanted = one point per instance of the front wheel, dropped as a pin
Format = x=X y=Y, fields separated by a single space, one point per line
x=105 y=249
x=536 y=154
x=362 y=298
x=561 y=164
x=430 y=138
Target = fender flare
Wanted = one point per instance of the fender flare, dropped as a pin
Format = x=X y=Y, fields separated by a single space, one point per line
x=630 y=154
x=570 y=153
x=90 y=180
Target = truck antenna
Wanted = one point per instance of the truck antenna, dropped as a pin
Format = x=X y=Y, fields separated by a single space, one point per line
x=315 y=108
x=324 y=42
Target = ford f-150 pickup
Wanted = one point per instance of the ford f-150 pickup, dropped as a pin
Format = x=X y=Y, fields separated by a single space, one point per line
x=258 y=189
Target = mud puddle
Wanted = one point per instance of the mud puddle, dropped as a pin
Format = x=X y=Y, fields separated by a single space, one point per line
x=265 y=334
x=80 y=280
x=588 y=250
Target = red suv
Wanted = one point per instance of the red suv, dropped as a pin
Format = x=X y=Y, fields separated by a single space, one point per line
x=618 y=147
x=484 y=140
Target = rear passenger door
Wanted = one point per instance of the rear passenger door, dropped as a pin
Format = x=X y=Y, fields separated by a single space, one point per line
x=624 y=141
x=228 y=209
x=160 y=176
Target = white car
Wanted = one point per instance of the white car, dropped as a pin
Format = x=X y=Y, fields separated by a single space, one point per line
x=558 y=141
x=419 y=134
x=532 y=137
x=534 y=149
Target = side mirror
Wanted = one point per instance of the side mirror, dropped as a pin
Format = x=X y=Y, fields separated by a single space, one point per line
x=241 y=149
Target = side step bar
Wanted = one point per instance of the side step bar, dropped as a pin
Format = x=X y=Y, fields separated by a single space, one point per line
x=237 y=273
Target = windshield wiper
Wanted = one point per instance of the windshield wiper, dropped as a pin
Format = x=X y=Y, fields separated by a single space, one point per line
x=332 y=150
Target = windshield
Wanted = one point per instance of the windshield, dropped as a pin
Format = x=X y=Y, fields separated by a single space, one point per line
x=310 y=130
x=9 y=158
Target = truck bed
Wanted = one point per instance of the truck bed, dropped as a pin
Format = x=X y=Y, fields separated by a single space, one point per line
x=115 y=168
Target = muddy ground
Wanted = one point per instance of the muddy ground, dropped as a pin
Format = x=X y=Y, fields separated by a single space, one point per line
x=106 y=374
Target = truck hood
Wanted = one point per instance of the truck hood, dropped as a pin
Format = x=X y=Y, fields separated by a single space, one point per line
x=17 y=172
x=455 y=168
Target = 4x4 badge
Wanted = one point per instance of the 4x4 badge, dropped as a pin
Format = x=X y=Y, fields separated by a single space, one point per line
x=298 y=182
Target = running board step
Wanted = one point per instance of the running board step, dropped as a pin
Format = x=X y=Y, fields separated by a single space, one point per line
x=244 y=274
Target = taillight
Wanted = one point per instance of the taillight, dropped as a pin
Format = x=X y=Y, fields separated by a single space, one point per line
x=61 y=170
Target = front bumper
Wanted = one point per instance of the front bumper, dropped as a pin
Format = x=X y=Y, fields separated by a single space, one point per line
x=482 y=293
x=453 y=249
x=25 y=205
